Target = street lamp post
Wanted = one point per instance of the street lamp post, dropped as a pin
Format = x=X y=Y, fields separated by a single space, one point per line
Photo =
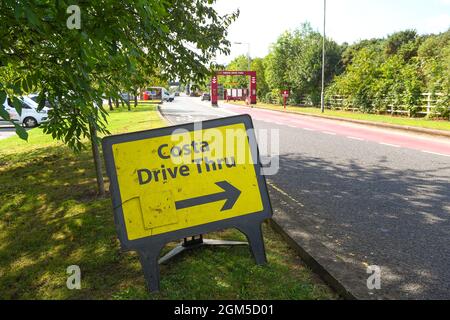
x=248 y=53
x=248 y=57
x=322 y=98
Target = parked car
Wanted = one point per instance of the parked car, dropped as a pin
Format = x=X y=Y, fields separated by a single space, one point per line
x=34 y=97
x=30 y=117
x=166 y=96
x=177 y=94
x=206 y=96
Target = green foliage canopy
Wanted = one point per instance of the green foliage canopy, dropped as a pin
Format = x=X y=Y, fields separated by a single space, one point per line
x=119 y=44
x=396 y=72
x=295 y=62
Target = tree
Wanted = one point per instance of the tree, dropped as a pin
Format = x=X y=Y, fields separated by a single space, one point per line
x=372 y=80
x=295 y=62
x=397 y=40
x=262 y=88
x=75 y=68
x=277 y=62
x=434 y=58
x=240 y=63
x=357 y=83
x=350 y=51
x=305 y=70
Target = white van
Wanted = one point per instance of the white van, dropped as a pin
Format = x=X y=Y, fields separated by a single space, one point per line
x=166 y=96
x=30 y=117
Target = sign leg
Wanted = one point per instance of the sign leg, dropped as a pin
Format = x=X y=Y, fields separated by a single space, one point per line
x=195 y=242
x=150 y=267
x=256 y=241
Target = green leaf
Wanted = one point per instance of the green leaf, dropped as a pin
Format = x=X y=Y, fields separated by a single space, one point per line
x=31 y=16
x=2 y=97
x=25 y=85
x=21 y=132
x=17 y=104
x=129 y=44
x=29 y=80
x=3 y=113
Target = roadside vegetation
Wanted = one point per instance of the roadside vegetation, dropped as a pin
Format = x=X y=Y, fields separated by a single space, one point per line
x=74 y=58
x=395 y=74
x=397 y=120
x=51 y=217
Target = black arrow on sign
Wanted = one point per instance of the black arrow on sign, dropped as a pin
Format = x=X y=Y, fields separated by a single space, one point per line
x=230 y=194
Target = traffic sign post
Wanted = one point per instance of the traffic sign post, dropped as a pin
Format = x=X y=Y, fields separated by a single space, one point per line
x=177 y=182
x=285 y=95
x=214 y=91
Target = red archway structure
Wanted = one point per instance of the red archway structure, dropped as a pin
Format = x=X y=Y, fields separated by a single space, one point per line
x=252 y=75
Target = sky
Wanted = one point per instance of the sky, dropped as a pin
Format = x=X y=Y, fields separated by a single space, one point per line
x=262 y=21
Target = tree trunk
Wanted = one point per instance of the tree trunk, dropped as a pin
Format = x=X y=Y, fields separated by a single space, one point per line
x=110 y=104
x=116 y=101
x=135 y=99
x=97 y=159
x=128 y=102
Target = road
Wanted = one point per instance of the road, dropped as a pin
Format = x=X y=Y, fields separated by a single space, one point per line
x=6 y=131
x=365 y=195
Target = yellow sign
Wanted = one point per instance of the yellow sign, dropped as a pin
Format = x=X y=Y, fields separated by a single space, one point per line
x=186 y=179
x=183 y=181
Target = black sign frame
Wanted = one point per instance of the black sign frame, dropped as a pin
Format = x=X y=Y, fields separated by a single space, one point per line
x=149 y=248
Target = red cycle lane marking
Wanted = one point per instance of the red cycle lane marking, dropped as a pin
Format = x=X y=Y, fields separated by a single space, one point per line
x=325 y=125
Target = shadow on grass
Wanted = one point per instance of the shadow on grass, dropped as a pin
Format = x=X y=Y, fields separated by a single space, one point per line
x=51 y=218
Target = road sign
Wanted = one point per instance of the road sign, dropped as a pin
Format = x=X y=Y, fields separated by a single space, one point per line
x=285 y=95
x=181 y=181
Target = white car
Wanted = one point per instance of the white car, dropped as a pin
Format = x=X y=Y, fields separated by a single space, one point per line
x=166 y=96
x=30 y=116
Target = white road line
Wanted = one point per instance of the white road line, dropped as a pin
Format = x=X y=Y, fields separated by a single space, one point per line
x=285 y=193
x=389 y=144
x=291 y=126
x=308 y=129
x=330 y=133
x=355 y=138
x=279 y=123
x=228 y=111
x=436 y=153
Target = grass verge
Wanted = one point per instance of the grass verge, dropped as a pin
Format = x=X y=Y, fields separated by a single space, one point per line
x=398 y=120
x=51 y=218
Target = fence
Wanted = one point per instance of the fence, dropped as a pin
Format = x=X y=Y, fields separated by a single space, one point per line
x=429 y=103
